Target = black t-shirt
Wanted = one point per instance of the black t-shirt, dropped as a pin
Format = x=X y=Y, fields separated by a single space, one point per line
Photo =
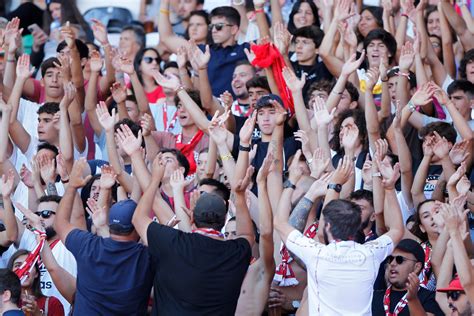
x=290 y=146
x=2 y=249
x=426 y=297
x=195 y=274
x=314 y=73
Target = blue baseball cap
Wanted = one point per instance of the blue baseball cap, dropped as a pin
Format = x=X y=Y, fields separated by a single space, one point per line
x=120 y=215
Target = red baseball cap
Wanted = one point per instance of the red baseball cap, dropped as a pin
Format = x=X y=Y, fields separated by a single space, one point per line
x=454 y=285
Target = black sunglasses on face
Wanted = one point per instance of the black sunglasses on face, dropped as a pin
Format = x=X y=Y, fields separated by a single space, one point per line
x=218 y=26
x=454 y=295
x=149 y=59
x=45 y=213
x=398 y=259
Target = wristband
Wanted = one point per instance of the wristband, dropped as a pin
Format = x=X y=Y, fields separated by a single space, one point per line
x=384 y=80
x=11 y=60
x=164 y=11
x=65 y=181
x=180 y=88
x=244 y=148
x=405 y=15
x=259 y=10
x=411 y=106
x=288 y=185
x=376 y=174
x=226 y=157
x=339 y=93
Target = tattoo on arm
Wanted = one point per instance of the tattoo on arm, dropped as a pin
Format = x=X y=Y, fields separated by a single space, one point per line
x=300 y=214
x=51 y=189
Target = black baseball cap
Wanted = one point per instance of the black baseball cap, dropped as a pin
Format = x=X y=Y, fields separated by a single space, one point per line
x=210 y=208
x=413 y=247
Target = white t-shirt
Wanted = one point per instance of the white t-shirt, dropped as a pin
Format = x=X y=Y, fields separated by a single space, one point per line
x=157 y=110
x=340 y=275
x=67 y=261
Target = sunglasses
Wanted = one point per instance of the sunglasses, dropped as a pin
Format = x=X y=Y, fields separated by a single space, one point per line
x=398 y=259
x=45 y=213
x=454 y=295
x=218 y=26
x=149 y=59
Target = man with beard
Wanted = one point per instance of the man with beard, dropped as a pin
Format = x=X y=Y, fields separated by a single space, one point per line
x=243 y=72
x=403 y=295
x=457 y=299
x=365 y=200
x=47 y=212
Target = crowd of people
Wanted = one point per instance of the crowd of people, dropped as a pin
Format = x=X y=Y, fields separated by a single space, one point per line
x=279 y=157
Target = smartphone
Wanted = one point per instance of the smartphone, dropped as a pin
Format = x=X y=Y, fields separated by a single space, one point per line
x=34 y=28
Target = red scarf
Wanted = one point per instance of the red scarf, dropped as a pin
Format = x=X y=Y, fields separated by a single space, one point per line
x=400 y=305
x=424 y=279
x=24 y=270
x=284 y=274
x=209 y=232
x=188 y=149
x=267 y=55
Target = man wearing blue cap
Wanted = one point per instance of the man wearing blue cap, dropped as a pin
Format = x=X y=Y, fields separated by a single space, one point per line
x=114 y=275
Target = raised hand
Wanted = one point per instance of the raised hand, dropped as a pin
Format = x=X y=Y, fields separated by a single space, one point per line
x=281 y=38
x=100 y=32
x=390 y=174
x=344 y=170
x=441 y=146
x=182 y=57
x=23 y=70
x=453 y=217
x=69 y=94
x=247 y=129
x=61 y=167
x=381 y=148
x=301 y=137
x=319 y=187
x=295 y=169
x=349 y=138
x=424 y=95
x=372 y=77
x=119 y=92
x=158 y=168
x=217 y=130
x=26 y=176
x=177 y=181
x=250 y=54
x=459 y=152
x=47 y=169
x=227 y=99
x=428 y=145
x=124 y=64
x=463 y=186
x=318 y=164
x=32 y=219
x=407 y=56
x=76 y=179
x=170 y=82
x=322 y=116
x=106 y=120
x=145 y=123
x=456 y=176
x=107 y=177
x=352 y=64
x=397 y=120
x=413 y=286
x=6 y=185
x=68 y=34
x=343 y=10
x=128 y=141
x=11 y=34
x=244 y=183
x=439 y=93
x=96 y=61
x=367 y=171
x=97 y=213
x=293 y=83
x=200 y=58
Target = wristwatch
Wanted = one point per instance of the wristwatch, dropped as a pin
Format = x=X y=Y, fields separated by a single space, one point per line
x=335 y=187
x=287 y=184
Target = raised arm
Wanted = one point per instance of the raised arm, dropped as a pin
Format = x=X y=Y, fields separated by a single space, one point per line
x=418 y=188
x=265 y=217
x=100 y=34
x=65 y=135
x=10 y=234
x=141 y=220
x=91 y=93
x=459 y=25
x=392 y=212
x=371 y=117
x=62 y=222
x=282 y=226
x=447 y=43
x=167 y=36
x=178 y=185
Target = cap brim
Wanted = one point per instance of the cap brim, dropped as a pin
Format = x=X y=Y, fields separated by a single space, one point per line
x=450 y=289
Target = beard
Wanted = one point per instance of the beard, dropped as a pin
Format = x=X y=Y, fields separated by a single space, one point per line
x=365 y=223
x=50 y=232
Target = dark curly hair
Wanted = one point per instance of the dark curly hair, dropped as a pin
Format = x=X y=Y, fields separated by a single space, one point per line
x=359 y=120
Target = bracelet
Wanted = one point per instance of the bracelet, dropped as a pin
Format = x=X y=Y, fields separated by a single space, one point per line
x=226 y=157
x=411 y=106
x=244 y=148
x=376 y=174
x=259 y=10
x=405 y=15
x=338 y=93
x=11 y=60
x=180 y=88
x=65 y=181
x=384 y=80
x=164 y=11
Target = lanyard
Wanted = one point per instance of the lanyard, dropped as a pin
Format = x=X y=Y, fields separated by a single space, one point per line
x=427 y=264
x=400 y=305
